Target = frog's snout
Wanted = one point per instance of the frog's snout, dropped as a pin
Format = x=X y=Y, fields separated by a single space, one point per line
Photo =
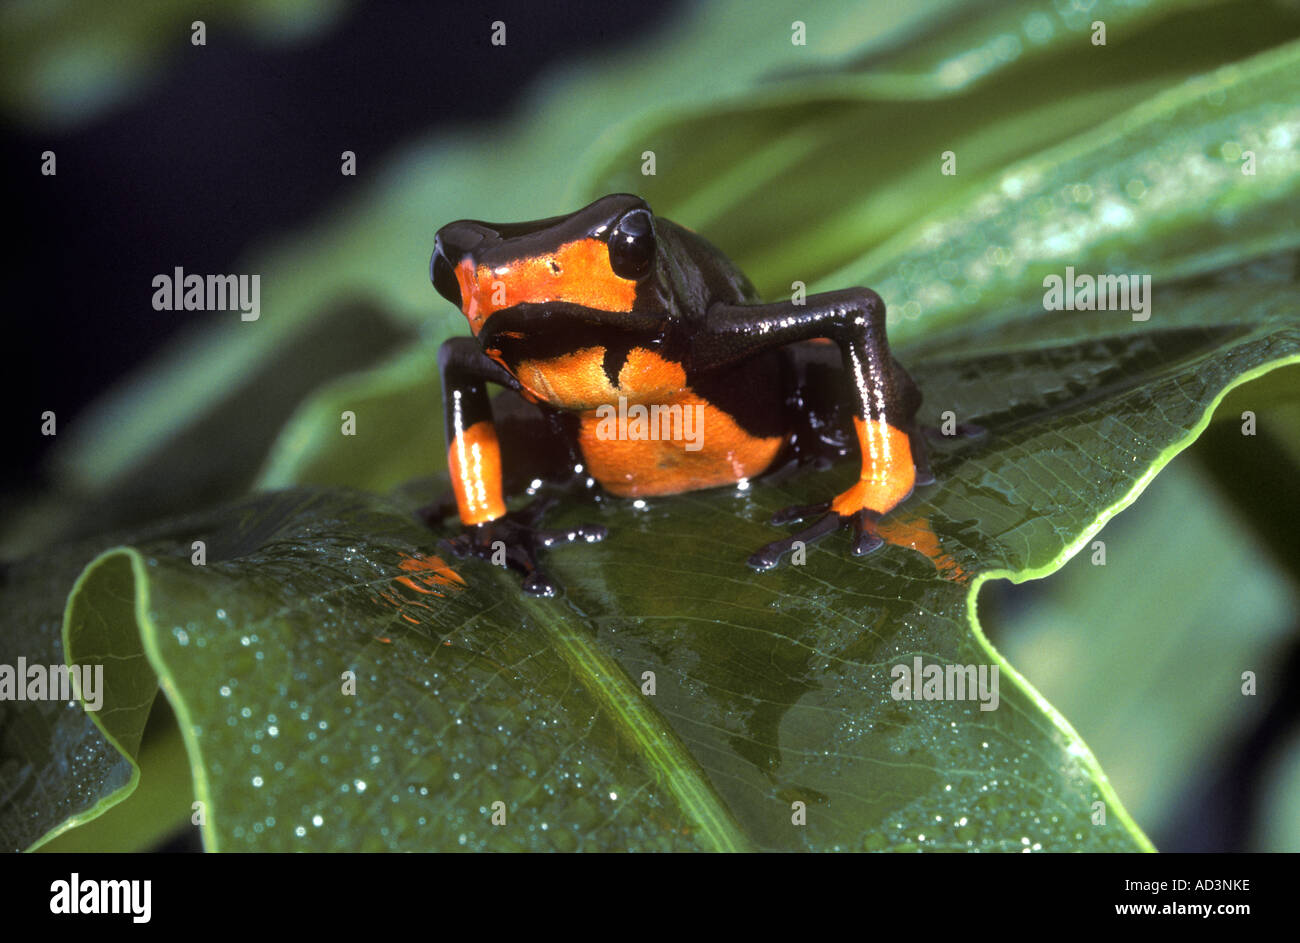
x=442 y=273
x=454 y=243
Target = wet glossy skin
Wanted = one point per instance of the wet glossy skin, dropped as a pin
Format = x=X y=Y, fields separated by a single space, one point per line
x=613 y=309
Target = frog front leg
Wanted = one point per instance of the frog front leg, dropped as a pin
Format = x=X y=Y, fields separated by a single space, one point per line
x=885 y=401
x=489 y=530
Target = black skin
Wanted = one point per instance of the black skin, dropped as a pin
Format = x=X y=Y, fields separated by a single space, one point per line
x=536 y=444
x=694 y=307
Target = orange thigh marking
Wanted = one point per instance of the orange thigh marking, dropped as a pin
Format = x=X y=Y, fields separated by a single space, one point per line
x=474 y=459
x=888 y=472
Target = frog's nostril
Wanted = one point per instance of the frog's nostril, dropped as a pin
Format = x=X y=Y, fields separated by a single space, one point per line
x=443 y=275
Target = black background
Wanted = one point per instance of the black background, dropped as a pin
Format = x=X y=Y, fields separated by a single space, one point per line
x=233 y=142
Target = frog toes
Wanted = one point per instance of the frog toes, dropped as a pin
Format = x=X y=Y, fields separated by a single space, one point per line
x=516 y=541
x=865 y=538
x=963 y=430
x=770 y=555
x=798 y=512
x=862 y=523
x=538 y=583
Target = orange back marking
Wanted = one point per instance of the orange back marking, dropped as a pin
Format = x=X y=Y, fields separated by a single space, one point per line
x=576 y=272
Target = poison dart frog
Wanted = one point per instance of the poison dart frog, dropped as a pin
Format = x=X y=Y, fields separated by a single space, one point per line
x=612 y=306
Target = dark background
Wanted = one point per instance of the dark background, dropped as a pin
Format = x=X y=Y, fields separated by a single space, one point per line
x=235 y=141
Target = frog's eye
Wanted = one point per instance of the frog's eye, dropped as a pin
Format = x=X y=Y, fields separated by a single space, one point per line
x=444 y=276
x=632 y=246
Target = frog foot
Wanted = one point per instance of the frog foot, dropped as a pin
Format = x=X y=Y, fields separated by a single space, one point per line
x=861 y=522
x=963 y=430
x=515 y=541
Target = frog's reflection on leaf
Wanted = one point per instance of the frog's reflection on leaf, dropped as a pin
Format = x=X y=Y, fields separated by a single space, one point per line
x=427 y=576
x=914 y=532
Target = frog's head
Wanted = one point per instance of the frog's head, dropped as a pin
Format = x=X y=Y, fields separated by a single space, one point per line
x=601 y=260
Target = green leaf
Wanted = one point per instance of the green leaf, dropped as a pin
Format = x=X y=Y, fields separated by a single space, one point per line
x=815 y=172
x=1159 y=699
x=133 y=458
x=157 y=810
x=66 y=63
x=770 y=688
x=57 y=769
x=314 y=585
x=398 y=434
x=1279 y=826
x=1160 y=190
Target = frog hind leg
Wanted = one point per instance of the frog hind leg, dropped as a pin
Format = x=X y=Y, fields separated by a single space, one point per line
x=516 y=540
x=882 y=398
x=921 y=456
x=889 y=475
x=910 y=397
